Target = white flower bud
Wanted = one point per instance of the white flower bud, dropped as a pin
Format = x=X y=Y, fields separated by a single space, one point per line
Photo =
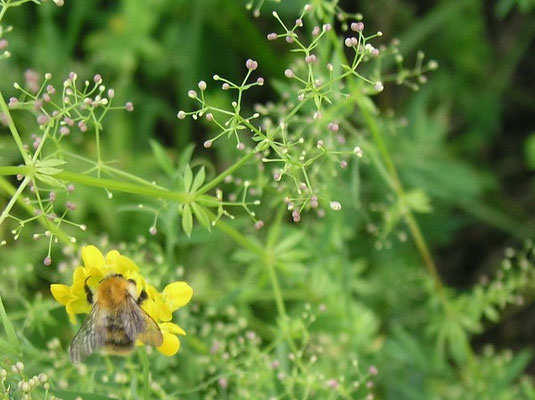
x=336 y=206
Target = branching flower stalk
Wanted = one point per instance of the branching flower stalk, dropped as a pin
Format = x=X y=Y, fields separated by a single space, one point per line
x=274 y=141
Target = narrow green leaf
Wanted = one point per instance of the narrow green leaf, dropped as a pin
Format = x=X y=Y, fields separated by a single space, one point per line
x=188 y=178
x=48 y=170
x=48 y=180
x=491 y=313
x=201 y=215
x=8 y=327
x=187 y=220
x=199 y=180
x=7 y=348
x=185 y=156
x=51 y=162
x=164 y=161
x=418 y=201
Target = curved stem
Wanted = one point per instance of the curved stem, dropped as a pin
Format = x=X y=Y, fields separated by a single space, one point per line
x=14 y=199
x=13 y=129
x=214 y=182
x=414 y=228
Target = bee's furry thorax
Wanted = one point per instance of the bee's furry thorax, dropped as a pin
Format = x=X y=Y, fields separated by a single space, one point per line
x=112 y=292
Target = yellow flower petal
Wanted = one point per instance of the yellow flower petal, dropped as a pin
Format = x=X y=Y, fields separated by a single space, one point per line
x=94 y=276
x=172 y=328
x=123 y=264
x=92 y=257
x=177 y=294
x=61 y=293
x=154 y=305
x=77 y=306
x=170 y=344
x=78 y=276
x=112 y=256
x=164 y=314
x=149 y=307
x=72 y=317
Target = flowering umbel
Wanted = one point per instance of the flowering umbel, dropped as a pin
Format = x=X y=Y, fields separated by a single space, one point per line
x=160 y=306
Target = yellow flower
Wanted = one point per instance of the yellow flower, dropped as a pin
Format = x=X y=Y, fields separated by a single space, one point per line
x=160 y=306
x=170 y=344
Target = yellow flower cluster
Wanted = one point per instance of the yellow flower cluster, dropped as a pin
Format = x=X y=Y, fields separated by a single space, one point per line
x=160 y=306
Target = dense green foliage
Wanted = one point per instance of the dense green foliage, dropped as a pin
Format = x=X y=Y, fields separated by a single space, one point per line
x=355 y=222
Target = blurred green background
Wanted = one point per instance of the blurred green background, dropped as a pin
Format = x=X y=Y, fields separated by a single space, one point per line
x=469 y=141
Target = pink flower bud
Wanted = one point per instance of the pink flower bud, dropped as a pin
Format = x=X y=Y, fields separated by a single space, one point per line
x=42 y=119
x=311 y=59
x=357 y=26
x=251 y=65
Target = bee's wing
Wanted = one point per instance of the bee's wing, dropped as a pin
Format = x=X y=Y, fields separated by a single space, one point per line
x=89 y=338
x=139 y=325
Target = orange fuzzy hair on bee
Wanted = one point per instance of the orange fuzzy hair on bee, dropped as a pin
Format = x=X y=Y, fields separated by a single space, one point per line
x=112 y=292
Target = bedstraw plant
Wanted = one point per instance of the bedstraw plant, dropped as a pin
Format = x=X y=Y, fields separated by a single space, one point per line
x=292 y=220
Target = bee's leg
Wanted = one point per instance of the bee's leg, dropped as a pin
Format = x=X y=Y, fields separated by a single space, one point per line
x=142 y=297
x=88 y=292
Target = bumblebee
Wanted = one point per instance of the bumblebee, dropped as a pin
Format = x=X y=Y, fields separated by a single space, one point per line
x=116 y=320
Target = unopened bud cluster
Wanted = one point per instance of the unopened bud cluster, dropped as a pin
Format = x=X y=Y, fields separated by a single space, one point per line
x=300 y=145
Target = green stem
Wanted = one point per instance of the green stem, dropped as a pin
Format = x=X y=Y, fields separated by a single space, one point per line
x=126 y=187
x=23 y=170
x=3 y=11
x=414 y=228
x=270 y=265
x=145 y=365
x=214 y=182
x=268 y=258
x=14 y=199
x=13 y=129
x=10 y=191
x=239 y=238
x=134 y=178
x=269 y=261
